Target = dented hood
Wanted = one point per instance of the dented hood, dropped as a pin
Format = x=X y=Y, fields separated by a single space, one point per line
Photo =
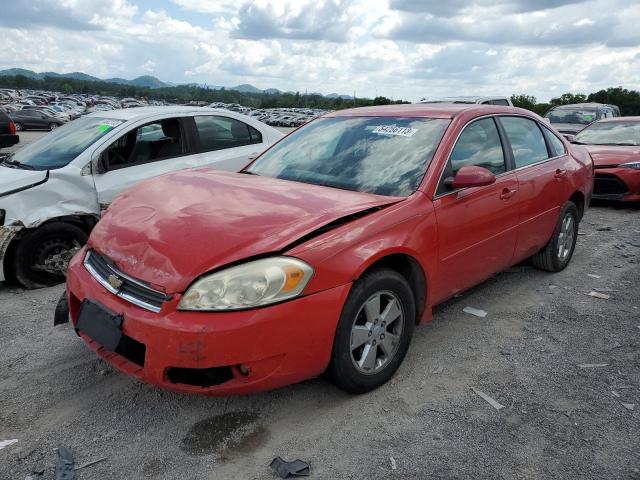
x=171 y=229
x=12 y=179
x=612 y=155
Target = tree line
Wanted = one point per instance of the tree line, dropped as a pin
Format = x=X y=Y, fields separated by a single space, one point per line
x=627 y=100
x=190 y=93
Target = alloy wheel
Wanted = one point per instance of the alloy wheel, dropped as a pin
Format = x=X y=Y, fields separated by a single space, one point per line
x=565 y=237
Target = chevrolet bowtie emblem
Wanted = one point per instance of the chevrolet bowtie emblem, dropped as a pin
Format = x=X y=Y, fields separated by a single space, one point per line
x=114 y=281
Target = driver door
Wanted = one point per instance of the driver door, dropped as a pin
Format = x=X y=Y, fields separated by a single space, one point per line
x=144 y=152
x=477 y=227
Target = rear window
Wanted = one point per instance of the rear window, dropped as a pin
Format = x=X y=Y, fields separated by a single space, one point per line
x=218 y=133
x=381 y=155
x=572 y=116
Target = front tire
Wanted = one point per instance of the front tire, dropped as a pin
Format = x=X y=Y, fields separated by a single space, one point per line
x=374 y=331
x=556 y=255
x=19 y=127
x=42 y=255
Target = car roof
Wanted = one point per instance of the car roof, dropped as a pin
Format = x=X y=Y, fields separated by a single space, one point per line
x=429 y=110
x=142 y=112
x=620 y=119
x=467 y=98
x=581 y=105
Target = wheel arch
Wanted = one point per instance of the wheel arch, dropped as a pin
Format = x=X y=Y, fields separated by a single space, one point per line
x=410 y=268
x=579 y=200
x=85 y=222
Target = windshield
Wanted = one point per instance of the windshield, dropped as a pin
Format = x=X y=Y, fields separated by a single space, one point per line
x=581 y=117
x=611 y=133
x=58 y=148
x=381 y=155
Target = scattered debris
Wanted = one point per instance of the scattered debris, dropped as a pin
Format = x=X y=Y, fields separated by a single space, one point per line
x=581 y=233
x=6 y=443
x=593 y=275
x=92 y=462
x=65 y=465
x=438 y=370
x=35 y=474
x=475 y=311
x=593 y=365
x=615 y=394
x=629 y=406
x=487 y=398
x=296 y=468
x=604 y=229
x=393 y=463
x=595 y=294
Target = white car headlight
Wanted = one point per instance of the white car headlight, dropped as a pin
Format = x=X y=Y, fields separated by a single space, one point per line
x=249 y=285
x=635 y=165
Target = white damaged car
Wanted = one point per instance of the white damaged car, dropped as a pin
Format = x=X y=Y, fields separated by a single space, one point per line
x=53 y=191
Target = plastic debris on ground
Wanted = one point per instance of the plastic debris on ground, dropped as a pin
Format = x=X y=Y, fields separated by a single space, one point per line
x=487 y=399
x=593 y=365
x=284 y=469
x=629 y=406
x=593 y=275
x=475 y=311
x=595 y=294
x=65 y=465
x=6 y=443
x=393 y=463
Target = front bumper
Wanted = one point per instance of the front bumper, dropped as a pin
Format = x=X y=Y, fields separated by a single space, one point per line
x=248 y=351
x=617 y=184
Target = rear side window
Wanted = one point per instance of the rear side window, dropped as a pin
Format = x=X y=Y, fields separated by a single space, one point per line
x=557 y=147
x=218 y=133
x=479 y=145
x=527 y=142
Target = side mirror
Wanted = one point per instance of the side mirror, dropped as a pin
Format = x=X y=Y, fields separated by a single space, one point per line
x=471 y=176
x=571 y=138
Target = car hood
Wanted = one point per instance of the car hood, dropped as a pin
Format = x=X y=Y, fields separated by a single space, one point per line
x=568 y=127
x=611 y=155
x=169 y=230
x=12 y=179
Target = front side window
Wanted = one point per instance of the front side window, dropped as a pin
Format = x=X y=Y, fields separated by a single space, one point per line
x=380 y=155
x=58 y=148
x=154 y=141
x=218 y=133
x=527 y=142
x=610 y=133
x=478 y=145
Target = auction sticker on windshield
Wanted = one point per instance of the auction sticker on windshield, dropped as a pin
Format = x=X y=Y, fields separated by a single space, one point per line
x=108 y=125
x=394 y=130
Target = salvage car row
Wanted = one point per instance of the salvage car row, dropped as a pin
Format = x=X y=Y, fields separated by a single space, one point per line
x=342 y=235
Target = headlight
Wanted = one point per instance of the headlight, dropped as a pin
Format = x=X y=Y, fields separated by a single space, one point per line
x=252 y=284
x=635 y=165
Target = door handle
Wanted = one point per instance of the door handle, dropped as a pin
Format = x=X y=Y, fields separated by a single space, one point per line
x=560 y=173
x=507 y=193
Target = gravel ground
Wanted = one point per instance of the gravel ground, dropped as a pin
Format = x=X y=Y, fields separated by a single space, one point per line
x=559 y=420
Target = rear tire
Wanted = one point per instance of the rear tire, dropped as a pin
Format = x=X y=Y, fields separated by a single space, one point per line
x=42 y=255
x=53 y=126
x=374 y=331
x=556 y=255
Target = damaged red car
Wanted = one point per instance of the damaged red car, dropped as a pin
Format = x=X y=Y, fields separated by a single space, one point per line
x=614 y=144
x=325 y=252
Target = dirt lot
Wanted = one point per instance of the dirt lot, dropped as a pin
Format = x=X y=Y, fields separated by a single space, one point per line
x=560 y=420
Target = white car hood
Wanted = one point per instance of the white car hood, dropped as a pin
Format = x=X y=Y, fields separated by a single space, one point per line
x=12 y=179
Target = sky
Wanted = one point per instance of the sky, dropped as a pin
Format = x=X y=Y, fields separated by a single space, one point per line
x=402 y=49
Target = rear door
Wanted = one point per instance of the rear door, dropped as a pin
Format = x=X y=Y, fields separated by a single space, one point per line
x=226 y=143
x=477 y=227
x=541 y=164
x=146 y=151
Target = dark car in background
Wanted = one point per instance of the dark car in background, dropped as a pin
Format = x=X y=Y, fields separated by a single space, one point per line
x=570 y=119
x=8 y=135
x=35 y=120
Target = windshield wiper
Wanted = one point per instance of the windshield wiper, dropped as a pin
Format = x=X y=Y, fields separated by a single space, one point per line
x=248 y=172
x=15 y=163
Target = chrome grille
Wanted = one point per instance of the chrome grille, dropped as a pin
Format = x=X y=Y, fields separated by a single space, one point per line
x=130 y=289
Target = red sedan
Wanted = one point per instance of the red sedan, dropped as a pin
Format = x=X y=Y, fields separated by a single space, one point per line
x=614 y=144
x=325 y=252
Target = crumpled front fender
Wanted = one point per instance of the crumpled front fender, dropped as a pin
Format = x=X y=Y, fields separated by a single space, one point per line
x=6 y=235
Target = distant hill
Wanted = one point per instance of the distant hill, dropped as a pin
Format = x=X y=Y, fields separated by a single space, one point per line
x=147 y=81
